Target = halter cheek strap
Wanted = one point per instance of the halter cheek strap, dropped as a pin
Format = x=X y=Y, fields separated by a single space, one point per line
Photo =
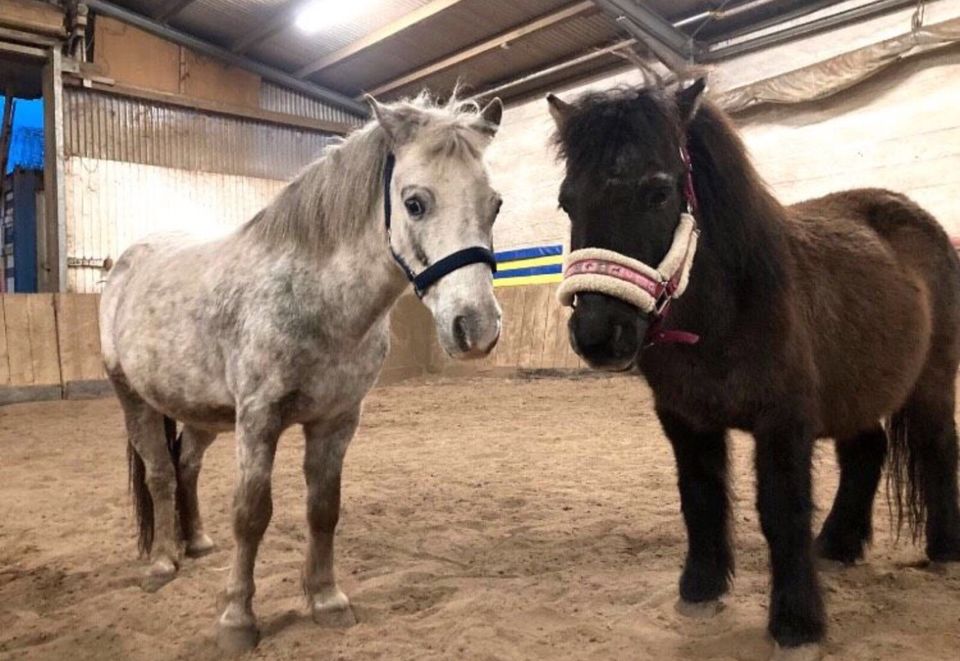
x=650 y=289
x=429 y=276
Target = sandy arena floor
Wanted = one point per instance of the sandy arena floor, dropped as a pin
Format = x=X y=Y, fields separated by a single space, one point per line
x=482 y=519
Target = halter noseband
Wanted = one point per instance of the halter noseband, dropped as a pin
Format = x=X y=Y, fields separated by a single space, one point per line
x=650 y=289
x=429 y=276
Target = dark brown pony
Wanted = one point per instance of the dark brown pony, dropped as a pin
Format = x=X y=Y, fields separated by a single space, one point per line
x=821 y=319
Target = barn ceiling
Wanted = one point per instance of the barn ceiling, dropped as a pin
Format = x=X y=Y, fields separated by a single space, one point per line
x=516 y=47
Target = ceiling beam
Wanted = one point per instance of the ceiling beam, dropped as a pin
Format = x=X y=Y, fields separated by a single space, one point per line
x=406 y=21
x=280 y=19
x=541 y=23
x=636 y=16
x=205 y=47
x=553 y=70
x=169 y=9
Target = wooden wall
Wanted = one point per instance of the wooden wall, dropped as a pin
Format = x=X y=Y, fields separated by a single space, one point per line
x=50 y=343
x=136 y=58
x=49 y=347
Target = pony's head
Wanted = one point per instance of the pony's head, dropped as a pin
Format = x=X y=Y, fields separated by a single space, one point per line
x=441 y=205
x=623 y=191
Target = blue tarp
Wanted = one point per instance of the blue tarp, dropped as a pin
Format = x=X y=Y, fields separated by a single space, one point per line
x=26 y=149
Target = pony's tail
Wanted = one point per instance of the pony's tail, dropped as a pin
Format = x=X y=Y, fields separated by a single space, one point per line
x=140 y=492
x=904 y=480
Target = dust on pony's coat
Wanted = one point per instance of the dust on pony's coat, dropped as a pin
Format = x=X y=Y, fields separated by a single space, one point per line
x=191 y=326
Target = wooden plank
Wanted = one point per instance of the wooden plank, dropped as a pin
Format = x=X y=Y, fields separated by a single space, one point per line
x=389 y=30
x=66 y=305
x=17 y=321
x=548 y=359
x=206 y=78
x=44 y=352
x=91 y=361
x=534 y=326
x=134 y=57
x=512 y=307
x=79 y=338
x=493 y=43
x=33 y=16
x=20 y=394
x=4 y=358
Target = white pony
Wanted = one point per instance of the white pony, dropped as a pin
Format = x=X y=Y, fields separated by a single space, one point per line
x=285 y=321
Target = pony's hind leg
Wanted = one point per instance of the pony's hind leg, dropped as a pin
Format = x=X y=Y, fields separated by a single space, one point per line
x=702 y=471
x=258 y=429
x=193 y=443
x=153 y=483
x=326 y=445
x=924 y=434
x=849 y=526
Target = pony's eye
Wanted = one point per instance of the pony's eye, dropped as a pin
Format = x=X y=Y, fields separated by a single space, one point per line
x=415 y=206
x=657 y=197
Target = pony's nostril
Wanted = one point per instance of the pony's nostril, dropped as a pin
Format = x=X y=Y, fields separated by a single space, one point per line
x=461 y=332
x=617 y=333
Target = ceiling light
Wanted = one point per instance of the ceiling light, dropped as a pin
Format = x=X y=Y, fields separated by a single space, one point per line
x=322 y=14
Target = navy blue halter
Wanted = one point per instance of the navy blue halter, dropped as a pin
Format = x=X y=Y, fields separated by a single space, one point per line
x=429 y=276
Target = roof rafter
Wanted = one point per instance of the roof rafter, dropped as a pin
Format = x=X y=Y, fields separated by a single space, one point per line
x=537 y=24
x=280 y=19
x=377 y=36
x=169 y=9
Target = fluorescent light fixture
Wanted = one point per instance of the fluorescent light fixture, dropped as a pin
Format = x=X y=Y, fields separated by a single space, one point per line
x=321 y=14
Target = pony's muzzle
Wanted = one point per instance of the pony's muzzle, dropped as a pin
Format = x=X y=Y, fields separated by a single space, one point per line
x=475 y=333
x=606 y=332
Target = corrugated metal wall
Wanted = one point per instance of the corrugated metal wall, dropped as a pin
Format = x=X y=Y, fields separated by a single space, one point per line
x=134 y=168
x=104 y=126
x=280 y=99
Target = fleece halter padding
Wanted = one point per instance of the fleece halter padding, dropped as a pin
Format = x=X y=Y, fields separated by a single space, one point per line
x=649 y=289
x=429 y=276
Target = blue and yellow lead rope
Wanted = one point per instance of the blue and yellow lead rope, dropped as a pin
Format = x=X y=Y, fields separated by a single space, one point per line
x=529 y=266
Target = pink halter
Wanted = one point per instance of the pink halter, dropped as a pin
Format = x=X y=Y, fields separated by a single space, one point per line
x=649 y=289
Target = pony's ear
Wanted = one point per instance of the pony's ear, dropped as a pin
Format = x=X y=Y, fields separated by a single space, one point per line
x=560 y=110
x=398 y=123
x=689 y=100
x=490 y=117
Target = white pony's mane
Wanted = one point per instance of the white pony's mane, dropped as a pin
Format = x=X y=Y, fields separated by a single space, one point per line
x=328 y=202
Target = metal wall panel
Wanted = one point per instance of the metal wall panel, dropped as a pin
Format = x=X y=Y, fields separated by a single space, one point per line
x=109 y=127
x=110 y=204
x=281 y=99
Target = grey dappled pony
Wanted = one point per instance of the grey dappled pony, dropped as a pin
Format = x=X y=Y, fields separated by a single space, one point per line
x=285 y=321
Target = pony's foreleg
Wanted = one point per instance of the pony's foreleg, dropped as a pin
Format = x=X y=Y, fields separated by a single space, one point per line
x=702 y=475
x=326 y=444
x=194 y=442
x=257 y=434
x=783 y=462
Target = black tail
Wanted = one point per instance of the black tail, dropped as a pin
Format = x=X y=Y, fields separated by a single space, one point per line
x=140 y=493
x=904 y=481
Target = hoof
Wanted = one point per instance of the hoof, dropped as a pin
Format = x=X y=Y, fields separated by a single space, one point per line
x=332 y=609
x=811 y=652
x=700 y=610
x=237 y=640
x=200 y=546
x=160 y=573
